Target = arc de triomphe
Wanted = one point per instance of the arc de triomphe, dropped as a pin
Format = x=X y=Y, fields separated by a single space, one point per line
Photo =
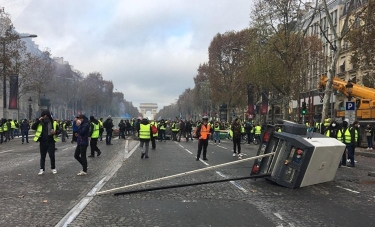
x=152 y=107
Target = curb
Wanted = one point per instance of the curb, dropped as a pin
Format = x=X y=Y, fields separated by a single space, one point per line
x=365 y=154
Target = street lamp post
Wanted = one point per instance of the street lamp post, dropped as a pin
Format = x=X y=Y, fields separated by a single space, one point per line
x=4 y=68
x=30 y=108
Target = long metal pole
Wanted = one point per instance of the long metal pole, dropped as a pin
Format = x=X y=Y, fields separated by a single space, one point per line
x=186 y=173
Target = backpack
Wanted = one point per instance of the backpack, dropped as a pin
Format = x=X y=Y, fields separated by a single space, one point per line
x=154 y=130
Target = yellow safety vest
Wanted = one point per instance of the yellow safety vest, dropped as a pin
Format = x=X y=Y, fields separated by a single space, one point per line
x=258 y=130
x=95 y=133
x=144 y=131
x=39 y=132
x=12 y=125
x=217 y=128
x=5 y=127
x=174 y=129
x=347 y=137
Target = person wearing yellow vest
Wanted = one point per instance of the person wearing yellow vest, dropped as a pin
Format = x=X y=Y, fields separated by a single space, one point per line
x=93 y=137
x=333 y=131
x=6 y=130
x=162 y=126
x=349 y=139
x=257 y=132
x=145 y=134
x=2 y=133
x=203 y=132
x=175 y=128
x=217 y=132
x=46 y=132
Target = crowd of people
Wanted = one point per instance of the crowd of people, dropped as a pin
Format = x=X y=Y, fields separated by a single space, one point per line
x=89 y=131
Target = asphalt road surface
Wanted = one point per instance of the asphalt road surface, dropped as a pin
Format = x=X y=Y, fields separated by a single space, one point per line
x=66 y=199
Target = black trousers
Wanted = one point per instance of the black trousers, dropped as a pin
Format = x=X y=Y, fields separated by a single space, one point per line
x=237 y=143
x=202 y=144
x=80 y=155
x=44 y=149
x=94 y=146
x=153 y=143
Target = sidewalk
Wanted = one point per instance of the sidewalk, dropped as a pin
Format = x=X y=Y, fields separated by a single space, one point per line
x=363 y=152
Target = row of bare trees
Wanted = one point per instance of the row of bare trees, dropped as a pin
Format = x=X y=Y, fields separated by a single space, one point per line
x=68 y=89
x=275 y=55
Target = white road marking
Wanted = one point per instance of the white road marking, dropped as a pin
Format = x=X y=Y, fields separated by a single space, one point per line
x=238 y=186
x=278 y=215
x=350 y=190
x=232 y=182
x=204 y=162
x=77 y=209
x=188 y=151
x=222 y=147
x=6 y=151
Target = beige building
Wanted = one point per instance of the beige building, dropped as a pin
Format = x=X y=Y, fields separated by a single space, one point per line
x=318 y=67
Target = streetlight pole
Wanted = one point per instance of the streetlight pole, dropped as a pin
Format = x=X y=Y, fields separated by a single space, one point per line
x=4 y=68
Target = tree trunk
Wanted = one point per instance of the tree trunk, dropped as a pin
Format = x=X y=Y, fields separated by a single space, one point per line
x=330 y=75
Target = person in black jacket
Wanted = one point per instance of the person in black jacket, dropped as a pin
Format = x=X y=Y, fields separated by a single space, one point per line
x=46 y=134
x=108 y=125
x=25 y=127
x=121 y=127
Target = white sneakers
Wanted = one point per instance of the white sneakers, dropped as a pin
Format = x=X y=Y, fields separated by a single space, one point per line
x=81 y=173
x=41 y=172
x=240 y=155
x=234 y=154
x=369 y=148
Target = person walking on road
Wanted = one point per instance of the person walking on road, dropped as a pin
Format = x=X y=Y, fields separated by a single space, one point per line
x=108 y=125
x=46 y=134
x=25 y=127
x=237 y=136
x=203 y=132
x=82 y=143
x=145 y=135
x=93 y=137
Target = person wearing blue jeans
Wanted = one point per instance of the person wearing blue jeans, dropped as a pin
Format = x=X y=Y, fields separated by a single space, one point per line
x=368 y=133
x=217 y=132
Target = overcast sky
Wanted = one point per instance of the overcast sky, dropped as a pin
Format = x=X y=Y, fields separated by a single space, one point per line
x=150 y=49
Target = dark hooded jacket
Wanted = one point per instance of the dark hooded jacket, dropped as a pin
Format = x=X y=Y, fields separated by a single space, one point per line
x=45 y=137
x=25 y=126
x=83 y=133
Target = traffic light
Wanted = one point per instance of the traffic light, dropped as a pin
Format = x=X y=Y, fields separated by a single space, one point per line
x=303 y=111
